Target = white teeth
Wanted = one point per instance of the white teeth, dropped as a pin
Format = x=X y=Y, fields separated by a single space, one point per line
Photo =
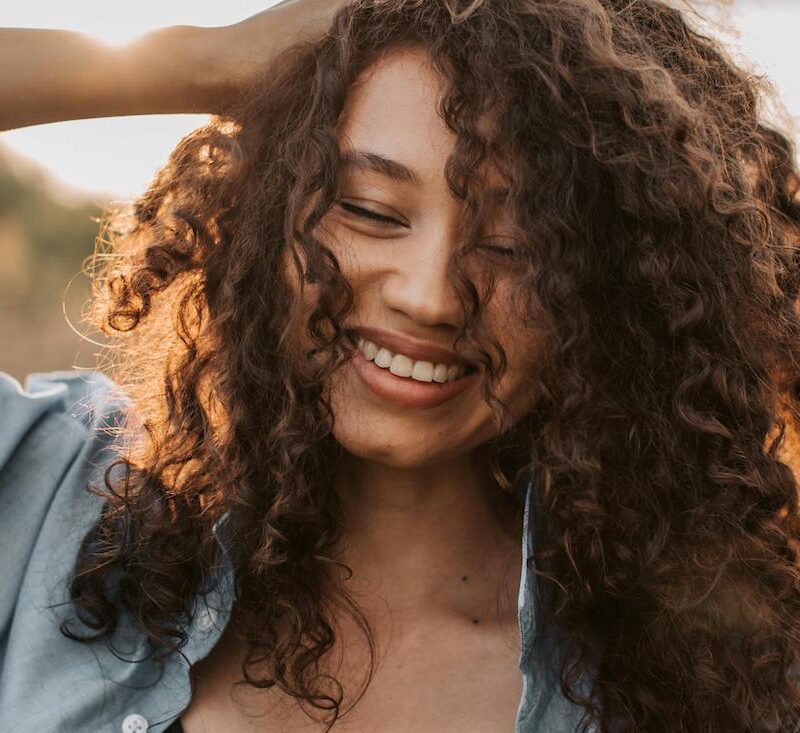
x=440 y=373
x=423 y=371
x=383 y=358
x=368 y=349
x=403 y=366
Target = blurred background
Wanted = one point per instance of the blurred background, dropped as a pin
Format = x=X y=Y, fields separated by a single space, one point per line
x=55 y=179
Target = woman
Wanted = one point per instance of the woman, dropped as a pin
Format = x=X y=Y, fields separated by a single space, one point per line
x=441 y=281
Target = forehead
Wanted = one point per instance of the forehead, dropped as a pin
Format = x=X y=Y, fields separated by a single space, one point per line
x=391 y=109
x=391 y=117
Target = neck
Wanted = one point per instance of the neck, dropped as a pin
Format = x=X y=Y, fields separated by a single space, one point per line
x=434 y=540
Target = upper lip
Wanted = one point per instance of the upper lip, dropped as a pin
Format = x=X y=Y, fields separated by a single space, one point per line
x=398 y=343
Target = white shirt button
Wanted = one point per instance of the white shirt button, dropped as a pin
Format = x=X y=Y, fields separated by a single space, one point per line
x=206 y=618
x=135 y=723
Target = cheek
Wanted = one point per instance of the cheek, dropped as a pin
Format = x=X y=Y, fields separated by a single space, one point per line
x=523 y=345
x=518 y=387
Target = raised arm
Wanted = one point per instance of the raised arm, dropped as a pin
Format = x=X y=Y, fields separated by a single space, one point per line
x=52 y=75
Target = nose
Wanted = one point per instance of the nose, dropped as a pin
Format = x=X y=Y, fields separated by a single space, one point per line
x=418 y=285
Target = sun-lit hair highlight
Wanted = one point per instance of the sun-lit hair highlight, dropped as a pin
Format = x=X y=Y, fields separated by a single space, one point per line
x=658 y=216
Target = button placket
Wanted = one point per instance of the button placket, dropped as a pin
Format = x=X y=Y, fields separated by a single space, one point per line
x=135 y=723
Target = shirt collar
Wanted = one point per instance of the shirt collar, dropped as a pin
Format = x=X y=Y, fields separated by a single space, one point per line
x=530 y=499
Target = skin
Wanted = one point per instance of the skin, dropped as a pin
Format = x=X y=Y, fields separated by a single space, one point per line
x=416 y=478
x=413 y=479
x=52 y=75
x=436 y=563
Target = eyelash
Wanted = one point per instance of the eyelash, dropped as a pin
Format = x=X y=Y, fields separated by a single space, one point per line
x=366 y=214
x=372 y=216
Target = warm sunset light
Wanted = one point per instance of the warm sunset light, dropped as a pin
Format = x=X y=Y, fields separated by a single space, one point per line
x=429 y=365
x=67 y=170
x=119 y=155
x=113 y=155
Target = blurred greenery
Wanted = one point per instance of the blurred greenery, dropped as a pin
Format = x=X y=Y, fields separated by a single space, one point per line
x=46 y=234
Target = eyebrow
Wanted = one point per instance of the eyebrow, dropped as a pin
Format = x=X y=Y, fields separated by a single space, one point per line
x=365 y=160
x=397 y=171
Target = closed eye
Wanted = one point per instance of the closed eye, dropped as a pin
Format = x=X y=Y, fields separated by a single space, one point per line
x=367 y=214
x=374 y=216
x=504 y=251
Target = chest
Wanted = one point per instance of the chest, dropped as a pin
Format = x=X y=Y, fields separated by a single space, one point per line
x=439 y=680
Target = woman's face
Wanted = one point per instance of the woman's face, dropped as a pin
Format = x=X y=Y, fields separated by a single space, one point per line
x=393 y=228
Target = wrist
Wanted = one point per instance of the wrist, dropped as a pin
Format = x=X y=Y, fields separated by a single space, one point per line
x=210 y=76
x=177 y=70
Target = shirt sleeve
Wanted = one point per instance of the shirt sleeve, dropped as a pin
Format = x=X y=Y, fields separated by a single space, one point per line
x=56 y=434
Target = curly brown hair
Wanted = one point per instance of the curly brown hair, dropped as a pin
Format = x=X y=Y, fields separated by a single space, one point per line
x=660 y=221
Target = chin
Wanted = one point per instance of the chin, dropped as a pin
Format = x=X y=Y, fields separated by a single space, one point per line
x=393 y=449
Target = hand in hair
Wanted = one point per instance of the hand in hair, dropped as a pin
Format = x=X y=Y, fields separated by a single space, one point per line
x=54 y=75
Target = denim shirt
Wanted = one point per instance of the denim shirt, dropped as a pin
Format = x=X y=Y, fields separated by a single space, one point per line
x=54 y=438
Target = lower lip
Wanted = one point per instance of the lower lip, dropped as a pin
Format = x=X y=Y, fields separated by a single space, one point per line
x=405 y=391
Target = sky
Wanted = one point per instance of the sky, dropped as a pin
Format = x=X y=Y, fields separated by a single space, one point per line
x=118 y=156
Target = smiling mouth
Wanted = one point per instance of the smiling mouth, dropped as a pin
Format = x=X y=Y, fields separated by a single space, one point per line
x=407 y=368
x=420 y=393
